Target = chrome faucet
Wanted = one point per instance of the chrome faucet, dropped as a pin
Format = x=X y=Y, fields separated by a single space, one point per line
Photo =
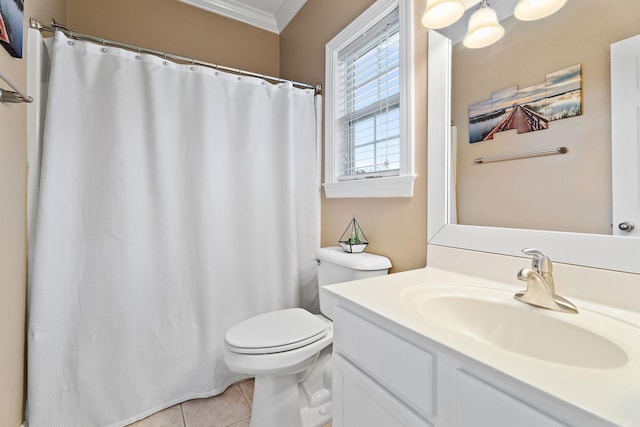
x=541 y=290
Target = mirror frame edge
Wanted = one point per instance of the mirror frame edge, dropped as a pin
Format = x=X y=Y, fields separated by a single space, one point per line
x=590 y=250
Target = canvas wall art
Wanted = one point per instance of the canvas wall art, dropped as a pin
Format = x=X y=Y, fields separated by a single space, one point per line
x=530 y=109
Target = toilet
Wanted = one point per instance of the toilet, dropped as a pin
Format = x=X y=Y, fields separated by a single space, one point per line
x=289 y=351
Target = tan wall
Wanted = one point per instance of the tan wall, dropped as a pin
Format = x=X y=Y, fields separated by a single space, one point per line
x=571 y=192
x=13 y=192
x=178 y=28
x=395 y=227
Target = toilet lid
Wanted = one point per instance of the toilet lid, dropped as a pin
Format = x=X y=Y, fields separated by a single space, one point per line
x=275 y=332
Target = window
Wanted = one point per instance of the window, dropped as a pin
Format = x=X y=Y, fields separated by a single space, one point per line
x=369 y=137
x=368 y=103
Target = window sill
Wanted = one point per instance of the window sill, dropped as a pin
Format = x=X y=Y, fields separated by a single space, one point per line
x=393 y=186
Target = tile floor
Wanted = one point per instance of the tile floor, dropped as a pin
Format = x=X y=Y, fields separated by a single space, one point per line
x=229 y=409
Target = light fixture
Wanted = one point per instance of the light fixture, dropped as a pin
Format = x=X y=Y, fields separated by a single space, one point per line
x=442 y=13
x=530 y=10
x=484 y=28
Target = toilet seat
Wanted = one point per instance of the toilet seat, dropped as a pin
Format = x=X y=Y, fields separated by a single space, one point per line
x=276 y=332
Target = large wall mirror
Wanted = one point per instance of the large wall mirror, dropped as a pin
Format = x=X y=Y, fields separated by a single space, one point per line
x=561 y=204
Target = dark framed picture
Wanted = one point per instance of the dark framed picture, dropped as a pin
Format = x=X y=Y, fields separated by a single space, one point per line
x=11 y=18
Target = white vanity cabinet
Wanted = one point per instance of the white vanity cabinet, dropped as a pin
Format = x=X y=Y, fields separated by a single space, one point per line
x=386 y=375
x=379 y=378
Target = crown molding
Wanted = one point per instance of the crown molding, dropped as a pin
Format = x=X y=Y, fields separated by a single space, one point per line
x=239 y=12
x=250 y=15
x=287 y=11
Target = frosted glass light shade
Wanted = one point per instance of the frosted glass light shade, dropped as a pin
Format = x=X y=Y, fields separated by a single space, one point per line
x=484 y=28
x=530 y=10
x=442 y=13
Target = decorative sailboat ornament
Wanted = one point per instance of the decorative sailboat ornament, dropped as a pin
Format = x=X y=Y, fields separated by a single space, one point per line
x=353 y=239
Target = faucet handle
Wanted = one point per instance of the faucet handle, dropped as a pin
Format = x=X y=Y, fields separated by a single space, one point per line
x=540 y=263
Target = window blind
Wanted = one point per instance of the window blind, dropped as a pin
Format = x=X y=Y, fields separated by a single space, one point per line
x=368 y=103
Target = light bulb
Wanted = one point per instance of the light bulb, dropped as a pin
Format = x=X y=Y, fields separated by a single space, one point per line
x=442 y=13
x=484 y=28
x=530 y=10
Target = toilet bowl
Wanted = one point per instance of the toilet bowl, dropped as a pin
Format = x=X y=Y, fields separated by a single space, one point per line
x=289 y=351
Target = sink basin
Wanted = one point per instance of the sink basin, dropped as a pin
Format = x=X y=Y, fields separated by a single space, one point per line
x=492 y=317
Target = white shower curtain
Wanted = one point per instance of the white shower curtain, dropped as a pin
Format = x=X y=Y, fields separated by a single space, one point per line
x=174 y=202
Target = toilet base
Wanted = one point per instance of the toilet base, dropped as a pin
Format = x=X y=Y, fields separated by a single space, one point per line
x=296 y=400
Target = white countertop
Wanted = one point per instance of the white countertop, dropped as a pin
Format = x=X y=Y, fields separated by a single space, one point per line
x=612 y=393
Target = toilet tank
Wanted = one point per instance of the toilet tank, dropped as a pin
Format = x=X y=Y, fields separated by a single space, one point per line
x=337 y=266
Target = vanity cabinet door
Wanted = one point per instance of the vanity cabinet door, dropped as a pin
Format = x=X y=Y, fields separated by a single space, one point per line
x=480 y=404
x=360 y=401
x=405 y=370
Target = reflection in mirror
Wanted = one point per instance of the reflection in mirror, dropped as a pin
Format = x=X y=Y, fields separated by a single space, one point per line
x=530 y=212
x=570 y=192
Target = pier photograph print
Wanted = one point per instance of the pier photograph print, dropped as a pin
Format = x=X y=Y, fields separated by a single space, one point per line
x=529 y=109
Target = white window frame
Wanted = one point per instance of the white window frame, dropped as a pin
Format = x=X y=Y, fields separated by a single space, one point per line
x=387 y=186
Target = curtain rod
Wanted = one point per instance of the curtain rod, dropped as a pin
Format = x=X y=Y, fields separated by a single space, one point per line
x=78 y=36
